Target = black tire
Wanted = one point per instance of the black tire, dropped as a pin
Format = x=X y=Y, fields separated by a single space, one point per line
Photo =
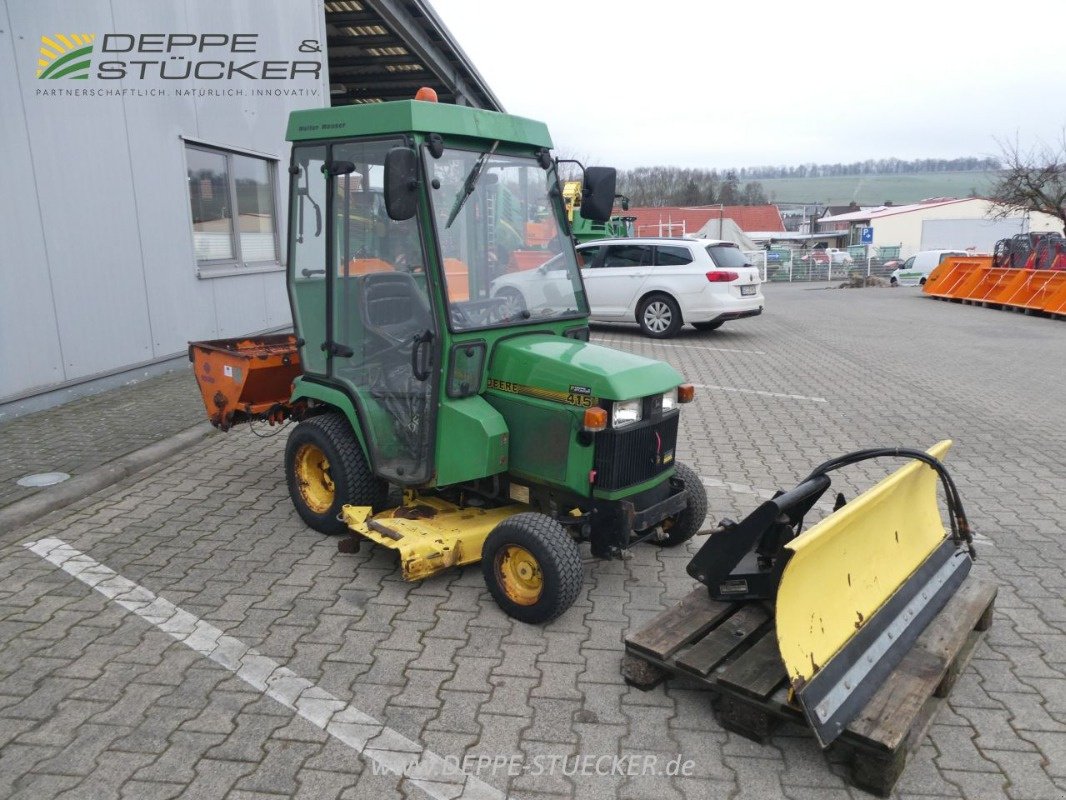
x=921 y=282
x=893 y=282
x=352 y=480
x=659 y=316
x=708 y=326
x=685 y=525
x=556 y=556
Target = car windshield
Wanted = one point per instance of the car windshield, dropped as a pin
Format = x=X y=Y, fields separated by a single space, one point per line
x=506 y=257
x=727 y=256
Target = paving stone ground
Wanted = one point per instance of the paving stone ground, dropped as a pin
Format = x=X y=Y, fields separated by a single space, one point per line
x=85 y=433
x=96 y=702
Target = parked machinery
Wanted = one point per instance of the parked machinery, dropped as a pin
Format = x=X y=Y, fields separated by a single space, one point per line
x=511 y=437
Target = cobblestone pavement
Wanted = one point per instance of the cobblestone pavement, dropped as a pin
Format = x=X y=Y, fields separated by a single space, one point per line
x=91 y=431
x=97 y=702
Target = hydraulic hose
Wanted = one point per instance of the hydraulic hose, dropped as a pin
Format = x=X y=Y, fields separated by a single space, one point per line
x=960 y=528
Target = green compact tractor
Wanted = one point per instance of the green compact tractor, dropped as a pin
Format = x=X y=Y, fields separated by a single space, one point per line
x=512 y=438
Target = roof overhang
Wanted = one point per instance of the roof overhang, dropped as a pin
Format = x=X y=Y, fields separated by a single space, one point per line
x=381 y=50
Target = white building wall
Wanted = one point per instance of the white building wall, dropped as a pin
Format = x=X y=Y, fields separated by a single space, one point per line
x=906 y=228
x=97 y=270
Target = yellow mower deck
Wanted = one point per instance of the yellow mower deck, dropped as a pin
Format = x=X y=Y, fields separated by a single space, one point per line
x=429 y=533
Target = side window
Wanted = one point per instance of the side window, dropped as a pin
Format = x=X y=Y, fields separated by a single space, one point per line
x=627 y=255
x=909 y=263
x=586 y=257
x=231 y=196
x=672 y=256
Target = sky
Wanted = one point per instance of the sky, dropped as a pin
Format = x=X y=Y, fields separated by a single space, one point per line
x=709 y=84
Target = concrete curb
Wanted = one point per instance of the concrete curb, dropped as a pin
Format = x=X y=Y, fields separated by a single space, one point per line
x=79 y=487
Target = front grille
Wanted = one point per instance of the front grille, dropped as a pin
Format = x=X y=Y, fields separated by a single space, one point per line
x=637 y=453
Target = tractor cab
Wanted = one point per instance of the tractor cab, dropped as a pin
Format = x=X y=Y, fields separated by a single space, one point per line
x=400 y=227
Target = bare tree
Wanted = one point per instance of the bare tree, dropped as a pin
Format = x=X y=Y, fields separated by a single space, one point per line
x=1032 y=180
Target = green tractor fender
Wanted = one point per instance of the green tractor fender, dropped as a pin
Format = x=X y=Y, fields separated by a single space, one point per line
x=303 y=389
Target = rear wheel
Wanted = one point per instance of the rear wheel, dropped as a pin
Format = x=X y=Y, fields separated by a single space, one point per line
x=532 y=567
x=659 y=316
x=921 y=282
x=683 y=526
x=708 y=326
x=326 y=470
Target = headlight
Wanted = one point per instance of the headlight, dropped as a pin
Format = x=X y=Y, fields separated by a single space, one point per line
x=625 y=413
x=669 y=400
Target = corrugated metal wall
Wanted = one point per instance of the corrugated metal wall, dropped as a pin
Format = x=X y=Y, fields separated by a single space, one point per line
x=97 y=271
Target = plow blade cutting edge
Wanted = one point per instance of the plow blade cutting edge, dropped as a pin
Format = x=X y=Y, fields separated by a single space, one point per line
x=852 y=593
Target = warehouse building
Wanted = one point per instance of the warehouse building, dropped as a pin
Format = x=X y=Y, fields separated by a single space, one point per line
x=938 y=224
x=144 y=200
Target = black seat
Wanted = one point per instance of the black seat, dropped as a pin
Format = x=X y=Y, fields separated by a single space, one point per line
x=394 y=308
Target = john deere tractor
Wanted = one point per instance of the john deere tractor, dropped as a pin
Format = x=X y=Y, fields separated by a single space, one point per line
x=509 y=436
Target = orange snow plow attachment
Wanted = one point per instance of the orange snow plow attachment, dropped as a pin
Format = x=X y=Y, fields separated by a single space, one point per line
x=244 y=379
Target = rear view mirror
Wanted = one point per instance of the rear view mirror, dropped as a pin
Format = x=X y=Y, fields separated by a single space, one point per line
x=401 y=183
x=597 y=193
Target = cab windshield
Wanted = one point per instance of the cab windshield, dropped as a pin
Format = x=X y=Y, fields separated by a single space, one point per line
x=505 y=255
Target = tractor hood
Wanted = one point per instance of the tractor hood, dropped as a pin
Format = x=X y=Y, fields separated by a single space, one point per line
x=558 y=367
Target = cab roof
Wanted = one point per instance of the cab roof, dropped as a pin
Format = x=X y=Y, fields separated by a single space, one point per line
x=414 y=116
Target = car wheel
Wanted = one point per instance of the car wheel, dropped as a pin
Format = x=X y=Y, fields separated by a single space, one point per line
x=921 y=282
x=708 y=326
x=893 y=281
x=659 y=316
x=512 y=303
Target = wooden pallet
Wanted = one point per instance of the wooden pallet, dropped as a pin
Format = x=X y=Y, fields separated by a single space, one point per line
x=731 y=649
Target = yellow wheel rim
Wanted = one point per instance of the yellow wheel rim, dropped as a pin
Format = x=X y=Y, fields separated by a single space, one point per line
x=314 y=479
x=519 y=574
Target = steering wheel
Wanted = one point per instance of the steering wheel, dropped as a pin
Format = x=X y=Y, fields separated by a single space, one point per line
x=459 y=317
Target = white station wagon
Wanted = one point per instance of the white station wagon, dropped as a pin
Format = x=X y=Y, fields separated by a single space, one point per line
x=659 y=283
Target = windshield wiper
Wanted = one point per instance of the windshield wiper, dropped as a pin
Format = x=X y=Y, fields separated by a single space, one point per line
x=470 y=183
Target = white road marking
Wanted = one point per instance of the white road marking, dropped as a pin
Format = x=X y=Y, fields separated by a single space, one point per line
x=736 y=488
x=347 y=724
x=692 y=347
x=760 y=392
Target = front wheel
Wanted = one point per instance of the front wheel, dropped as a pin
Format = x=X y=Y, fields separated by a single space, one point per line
x=532 y=567
x=708 y=326
x=659 y=316
x=326 y=470
x=683 y=526
x=893 y=282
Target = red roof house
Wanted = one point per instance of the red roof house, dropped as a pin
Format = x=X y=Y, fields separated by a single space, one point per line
x=681 y=220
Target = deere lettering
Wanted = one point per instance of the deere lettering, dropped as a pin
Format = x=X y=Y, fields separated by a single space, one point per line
x=583 y=401
x=204 y=56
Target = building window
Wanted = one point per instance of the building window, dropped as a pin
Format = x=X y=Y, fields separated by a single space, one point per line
x=234 y=224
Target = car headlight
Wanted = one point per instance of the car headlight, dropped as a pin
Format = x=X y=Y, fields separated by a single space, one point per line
x=669 y=400
x=625 y=413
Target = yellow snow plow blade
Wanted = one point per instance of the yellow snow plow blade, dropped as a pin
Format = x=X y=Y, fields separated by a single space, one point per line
x=852 y=594
x=847 y=566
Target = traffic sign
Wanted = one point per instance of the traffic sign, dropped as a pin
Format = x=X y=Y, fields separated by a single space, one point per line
x=866 y=235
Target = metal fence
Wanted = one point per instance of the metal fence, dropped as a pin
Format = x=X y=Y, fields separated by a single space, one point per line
x=789 y=266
